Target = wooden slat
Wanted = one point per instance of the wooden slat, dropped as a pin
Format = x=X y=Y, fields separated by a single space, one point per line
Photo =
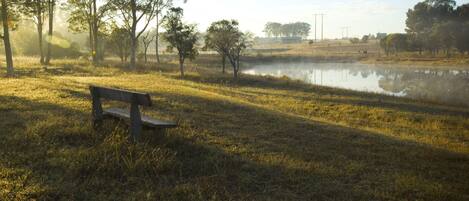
x=122 y=95
x=147 y=121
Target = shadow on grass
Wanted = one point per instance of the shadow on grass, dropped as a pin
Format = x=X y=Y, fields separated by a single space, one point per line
x=291 y=156
x=222 y=151
x=345 y=96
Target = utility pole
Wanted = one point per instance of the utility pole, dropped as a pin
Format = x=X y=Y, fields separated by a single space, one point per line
x=322 y=27
x=315 y=27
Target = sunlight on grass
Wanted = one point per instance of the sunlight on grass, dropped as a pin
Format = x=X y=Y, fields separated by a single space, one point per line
x=251 y=139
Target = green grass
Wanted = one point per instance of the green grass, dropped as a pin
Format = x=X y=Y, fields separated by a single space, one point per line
x=251 y=139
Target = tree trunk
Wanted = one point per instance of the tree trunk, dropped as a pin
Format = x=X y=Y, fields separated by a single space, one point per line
x=235 y=73
x=133 y=50
x=145 y=52
x=223 y=63
x=95 y=33
x=90 y=25
x=237 y=66
x=6 y=38
x=51 y=30
x=232 y=60
x=133 y=38
x=39 y=30
x=181 y=65
x=157 y=38
x=41 y=51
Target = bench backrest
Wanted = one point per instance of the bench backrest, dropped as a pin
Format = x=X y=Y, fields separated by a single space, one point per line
x=121 y=95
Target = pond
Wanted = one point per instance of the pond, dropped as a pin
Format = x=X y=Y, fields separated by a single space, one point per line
x=438 y=85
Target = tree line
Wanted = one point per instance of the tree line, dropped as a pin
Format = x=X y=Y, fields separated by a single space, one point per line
x=122 y=27
x=297 y=29
x=433 y=26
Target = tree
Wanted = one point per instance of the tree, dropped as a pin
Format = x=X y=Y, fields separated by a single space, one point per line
x=422 y=19
x=147 y=39
x=273 y=29
x=180 y=36
x=133 y=13
x=395 y=43
x=161 y=6
x=462 y=13
x=298 y=29
x=301 y=29
x=7 y=18
x=242 y=42
x=50 y=10
x=287 y=30
x=119 y=43
x=462 y=33
x=86 y=16
x=445 y=36
x=221 y=36
x=365 y=38
x=383 y=43
x=36 y=9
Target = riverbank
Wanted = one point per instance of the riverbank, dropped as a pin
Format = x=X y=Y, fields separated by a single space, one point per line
x=338 y=51
x=249 y=139
x=420 y=62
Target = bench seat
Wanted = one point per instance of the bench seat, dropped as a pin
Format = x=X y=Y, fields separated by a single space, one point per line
x=146 y=121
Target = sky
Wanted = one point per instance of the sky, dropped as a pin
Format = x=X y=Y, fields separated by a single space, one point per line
x=362 y=16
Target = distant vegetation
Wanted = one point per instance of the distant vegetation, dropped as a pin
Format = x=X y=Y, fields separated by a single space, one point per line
x=229 y=42
x=432 y=26
x=298 y=29
x=113 y=28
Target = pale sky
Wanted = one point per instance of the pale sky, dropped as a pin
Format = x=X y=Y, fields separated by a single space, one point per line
x=363 y=16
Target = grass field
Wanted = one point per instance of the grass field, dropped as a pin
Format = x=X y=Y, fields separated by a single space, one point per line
x=249 y=139
x=343 y=50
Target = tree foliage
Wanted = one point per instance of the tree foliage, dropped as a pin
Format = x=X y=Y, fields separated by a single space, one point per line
x=119 y=43
x=242 y=42
x=298 y=29
x=180 y=36
x=221 y=36
x=433 y=25
x=135 y=16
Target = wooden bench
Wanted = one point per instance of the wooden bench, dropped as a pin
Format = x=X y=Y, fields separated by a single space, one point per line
x=135 y=99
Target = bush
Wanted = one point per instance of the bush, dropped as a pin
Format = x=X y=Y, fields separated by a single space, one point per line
x=354 y=40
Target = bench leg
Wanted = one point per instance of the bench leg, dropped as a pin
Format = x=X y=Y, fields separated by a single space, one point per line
x=135 y=122
x=97 y=109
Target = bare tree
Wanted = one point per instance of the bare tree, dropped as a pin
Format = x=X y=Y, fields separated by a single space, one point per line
x=147 y=39
x=161 y=6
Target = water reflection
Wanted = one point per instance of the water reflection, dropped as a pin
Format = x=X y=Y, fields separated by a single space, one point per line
x=446 y=86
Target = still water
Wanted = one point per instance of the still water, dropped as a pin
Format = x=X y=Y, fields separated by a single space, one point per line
x=444 y=86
